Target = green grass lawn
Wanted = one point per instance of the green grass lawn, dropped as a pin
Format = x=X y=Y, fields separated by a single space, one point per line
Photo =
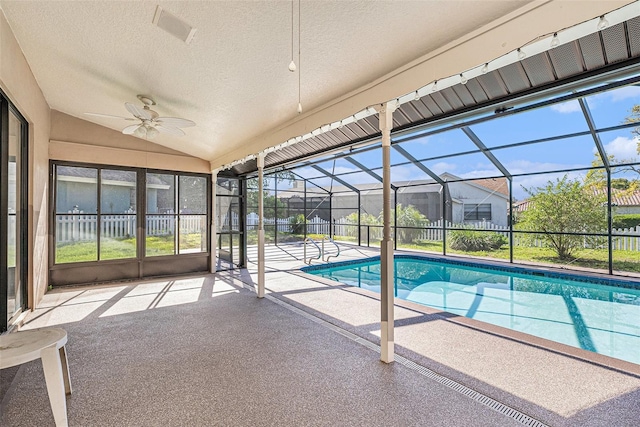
x=590 y=258
x=123 y=248
x=628 y=261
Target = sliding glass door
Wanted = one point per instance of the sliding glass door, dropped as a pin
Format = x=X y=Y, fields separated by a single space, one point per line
x=13 y=259
x=119 y=223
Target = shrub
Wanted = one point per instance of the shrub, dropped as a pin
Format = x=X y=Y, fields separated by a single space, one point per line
x=626 y=221
x=410 y=222
x=375 y=232
x=473 y=240
x=297 y=224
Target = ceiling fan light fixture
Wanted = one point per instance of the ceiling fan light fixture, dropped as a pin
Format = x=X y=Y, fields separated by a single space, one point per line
x=150 y=123
x=152 y=132
x=140 y=132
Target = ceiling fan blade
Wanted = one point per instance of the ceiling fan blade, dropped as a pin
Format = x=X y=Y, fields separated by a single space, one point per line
x=170 y=130
x=140 y=113
x=175 y=122
x=109 y=116
x=130 y=129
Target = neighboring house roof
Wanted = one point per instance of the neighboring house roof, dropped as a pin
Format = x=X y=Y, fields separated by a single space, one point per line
x=619 y=198
x=498 y=185
x=624 y=197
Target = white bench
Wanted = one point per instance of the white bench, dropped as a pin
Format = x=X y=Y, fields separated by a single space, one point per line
x=46 y=344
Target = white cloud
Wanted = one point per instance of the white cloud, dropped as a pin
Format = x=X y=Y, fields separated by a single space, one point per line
x=623 y=148
x=404 y=173
x=535 y=181
x=480 y=173
x=623 y=93
x=442 y=167
x=526 y=166
x=566 y=107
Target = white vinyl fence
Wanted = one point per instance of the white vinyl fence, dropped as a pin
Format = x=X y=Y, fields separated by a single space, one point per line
x=75 y=227
x=315 y=225
x=624 y=239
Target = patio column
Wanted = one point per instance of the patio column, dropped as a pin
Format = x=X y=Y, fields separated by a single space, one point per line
x=214 y=222
x=260 y=225
x=386 y=246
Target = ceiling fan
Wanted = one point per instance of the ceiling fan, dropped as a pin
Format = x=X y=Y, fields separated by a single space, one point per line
x=151 y=124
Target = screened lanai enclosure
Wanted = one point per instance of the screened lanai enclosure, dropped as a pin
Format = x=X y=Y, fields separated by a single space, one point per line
x=537 y=163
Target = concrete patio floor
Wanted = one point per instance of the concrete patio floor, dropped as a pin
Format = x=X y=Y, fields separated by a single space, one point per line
x=204 y=350
x=554 y=383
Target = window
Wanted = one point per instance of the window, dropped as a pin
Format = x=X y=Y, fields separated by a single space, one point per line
x=76 y=219
x=97 y=213
x=477 y=212
x=176 y=203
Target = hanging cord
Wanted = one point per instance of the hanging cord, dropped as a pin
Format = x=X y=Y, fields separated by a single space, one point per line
x=299 y=61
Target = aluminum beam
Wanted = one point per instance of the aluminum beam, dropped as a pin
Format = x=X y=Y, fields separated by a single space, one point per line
x=592 y=130
x=607 y=164
x=474 y=138
x=335 y=178
x=419 y=165
x=369 y=171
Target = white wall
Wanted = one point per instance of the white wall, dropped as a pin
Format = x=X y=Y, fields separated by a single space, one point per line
x=468 y=194
x=19 y=84
x=78 y=140
x=66 y=138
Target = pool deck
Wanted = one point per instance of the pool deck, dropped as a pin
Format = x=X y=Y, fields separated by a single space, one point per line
x=203 y=350
x=554 y=383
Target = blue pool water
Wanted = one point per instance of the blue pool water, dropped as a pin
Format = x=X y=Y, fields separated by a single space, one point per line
x=601 y=315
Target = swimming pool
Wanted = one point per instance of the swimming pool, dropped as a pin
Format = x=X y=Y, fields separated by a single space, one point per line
x=599 y=315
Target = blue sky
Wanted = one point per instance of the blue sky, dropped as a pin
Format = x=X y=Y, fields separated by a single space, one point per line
x=608 y=109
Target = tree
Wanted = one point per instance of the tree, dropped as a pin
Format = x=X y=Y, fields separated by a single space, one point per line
x=565 y=206
x=634 y=117
x=269 y=200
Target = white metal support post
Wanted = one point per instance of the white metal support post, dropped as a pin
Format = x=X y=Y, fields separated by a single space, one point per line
x=261 y=225
x=214 y=222
x=385 y=115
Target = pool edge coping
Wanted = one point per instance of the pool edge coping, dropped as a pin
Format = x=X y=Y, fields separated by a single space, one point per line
x=551 y=272
x=601 y=360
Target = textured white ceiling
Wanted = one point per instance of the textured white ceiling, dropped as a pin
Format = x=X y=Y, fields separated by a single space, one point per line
x=232 y=80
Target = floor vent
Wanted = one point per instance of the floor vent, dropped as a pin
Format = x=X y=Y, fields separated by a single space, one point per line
x=460 y=388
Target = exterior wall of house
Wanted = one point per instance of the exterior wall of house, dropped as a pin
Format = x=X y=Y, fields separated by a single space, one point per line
x=468 y=194
x=371 y=202
x=21 y=87
x=72 y=195
x=625 y=210
x=428 y=203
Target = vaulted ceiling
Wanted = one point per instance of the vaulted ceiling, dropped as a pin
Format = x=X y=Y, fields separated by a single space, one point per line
x=232 y=79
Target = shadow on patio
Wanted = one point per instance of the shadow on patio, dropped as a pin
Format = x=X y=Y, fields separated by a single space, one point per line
x=204 y=350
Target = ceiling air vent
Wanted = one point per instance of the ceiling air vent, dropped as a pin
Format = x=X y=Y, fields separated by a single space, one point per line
x=173 y=25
